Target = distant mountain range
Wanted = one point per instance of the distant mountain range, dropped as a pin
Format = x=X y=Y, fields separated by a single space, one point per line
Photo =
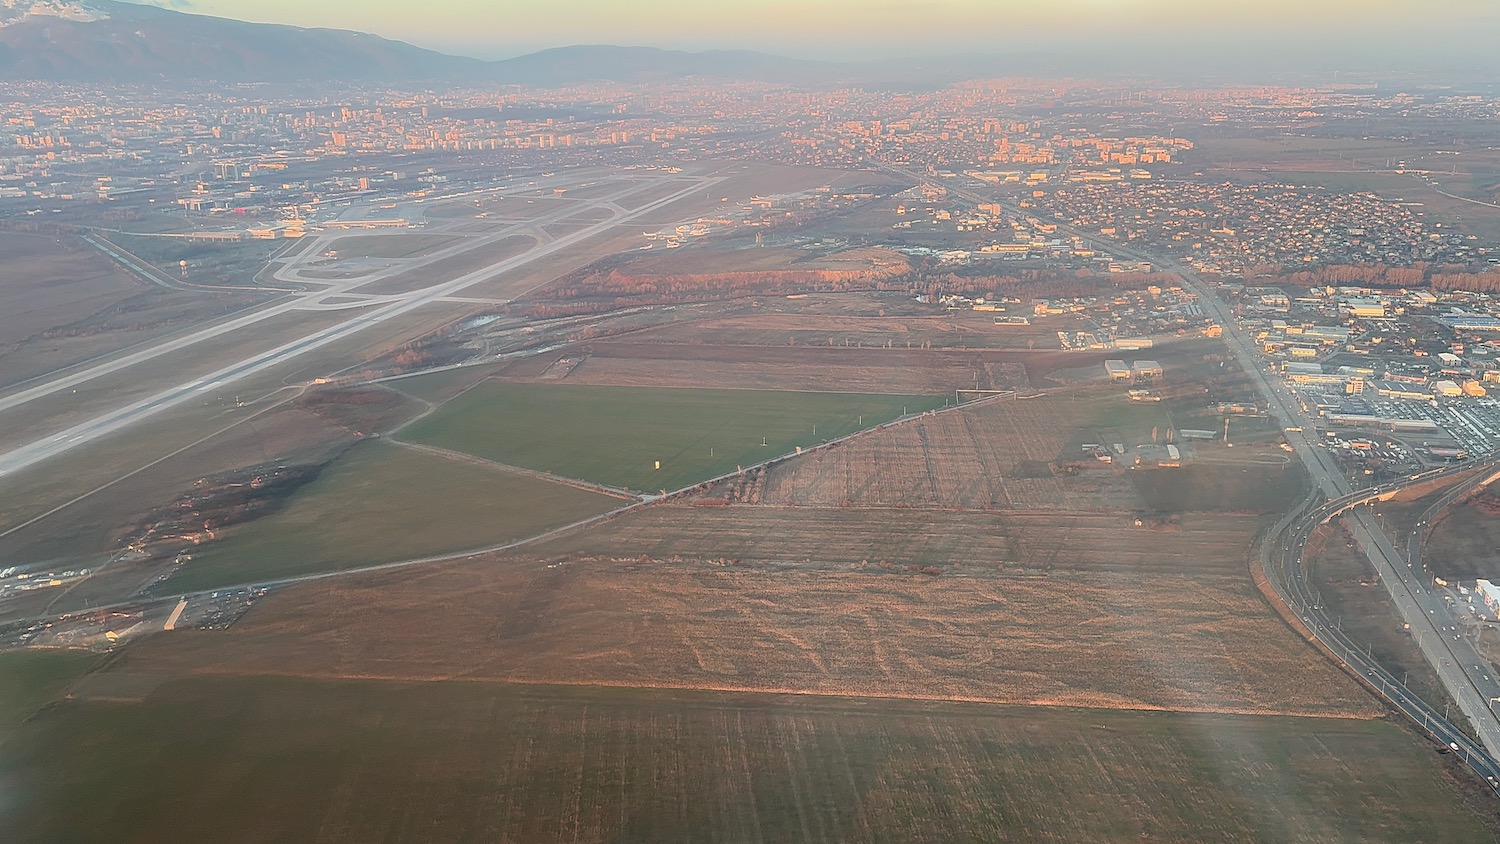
x=103 y=40
x=106 y=40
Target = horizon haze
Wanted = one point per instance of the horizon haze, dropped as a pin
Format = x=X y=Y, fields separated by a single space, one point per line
x=1340 y=31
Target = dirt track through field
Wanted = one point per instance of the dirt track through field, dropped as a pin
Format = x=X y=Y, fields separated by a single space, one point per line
x=1190 y=643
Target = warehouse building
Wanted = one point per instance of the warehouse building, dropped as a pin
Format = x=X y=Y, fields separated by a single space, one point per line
x=1147 y=369
x=1491 y=596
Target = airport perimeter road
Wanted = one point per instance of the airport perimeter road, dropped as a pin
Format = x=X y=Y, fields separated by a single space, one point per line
x=110 y=422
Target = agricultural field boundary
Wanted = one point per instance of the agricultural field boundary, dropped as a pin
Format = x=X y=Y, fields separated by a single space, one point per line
x=555 y=533
x=459 y=456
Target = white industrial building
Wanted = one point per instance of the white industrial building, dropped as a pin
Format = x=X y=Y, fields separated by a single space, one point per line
x=1490 y=594
x=1147 y=369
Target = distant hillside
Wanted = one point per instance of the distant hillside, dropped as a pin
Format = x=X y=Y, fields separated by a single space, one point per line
x=100 y=40
x=104 y=40
x=107 y=40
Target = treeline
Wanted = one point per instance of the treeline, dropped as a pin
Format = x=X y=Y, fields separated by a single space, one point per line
x=30 y=226
x=1380 y=276
x=1342 y=275
x=553 y=310
x=1040 y=284
x=624 y=289
x=1488 y=282
x=587 y=294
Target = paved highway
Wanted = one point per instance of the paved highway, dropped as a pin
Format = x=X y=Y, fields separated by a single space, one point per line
x=1426 y=615
x=1287 y=573
x=1455 y=661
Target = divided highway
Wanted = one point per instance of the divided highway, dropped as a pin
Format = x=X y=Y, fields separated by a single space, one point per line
x=1461 y=670
x=1282 y=558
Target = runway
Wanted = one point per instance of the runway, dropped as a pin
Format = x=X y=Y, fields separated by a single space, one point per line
x=379 y=309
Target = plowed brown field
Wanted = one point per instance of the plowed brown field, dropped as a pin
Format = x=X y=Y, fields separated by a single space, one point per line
x=993 y=455
x=1194 y=643
x=836 y=369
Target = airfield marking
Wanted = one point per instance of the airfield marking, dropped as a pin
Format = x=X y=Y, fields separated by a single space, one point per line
x=107 y=423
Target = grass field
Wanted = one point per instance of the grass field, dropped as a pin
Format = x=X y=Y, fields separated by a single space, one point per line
x=30 y=680
x=951 y=330
x=48 y=285
x=65 y=303
x=477 y=257
x=381 y=503
x=956 y=541
x=438 y=387
x=833 y=369
x=208 y=263
x=1465 y=542
x=614 y=435
x=403 y=245
x=223 y=759
x=973 y=458
x=95 y=527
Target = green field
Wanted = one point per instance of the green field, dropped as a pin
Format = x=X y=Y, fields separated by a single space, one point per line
x=444 y=384
x=380 y=503
x=615 y=435
x=31 y=679
x=267 y=759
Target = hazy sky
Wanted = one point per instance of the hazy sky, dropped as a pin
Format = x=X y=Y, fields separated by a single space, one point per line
x=495 y=28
